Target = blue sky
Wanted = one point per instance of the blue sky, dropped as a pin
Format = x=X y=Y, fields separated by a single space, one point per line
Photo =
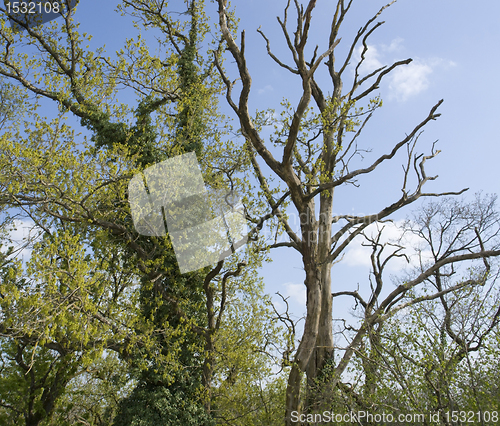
x=454 y=47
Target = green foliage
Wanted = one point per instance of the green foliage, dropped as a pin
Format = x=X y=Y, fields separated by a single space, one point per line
x=151 y=405
x=97 y=324
x=94 y=395
x=107 y=309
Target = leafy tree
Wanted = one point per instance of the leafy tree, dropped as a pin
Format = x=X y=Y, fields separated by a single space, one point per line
x=93 y=397
x=114 y=290
x=427 y=343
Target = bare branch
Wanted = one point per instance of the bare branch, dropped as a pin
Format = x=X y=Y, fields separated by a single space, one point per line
x=271 y=54
x=432 y=116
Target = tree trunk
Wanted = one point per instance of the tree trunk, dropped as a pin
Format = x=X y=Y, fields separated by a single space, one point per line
x=316 y=345
x=313 y=306
x=323 y=349
x=306 y=346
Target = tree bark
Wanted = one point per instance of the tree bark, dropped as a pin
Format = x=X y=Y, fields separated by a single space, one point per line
x=306 y=346
x=323 y=349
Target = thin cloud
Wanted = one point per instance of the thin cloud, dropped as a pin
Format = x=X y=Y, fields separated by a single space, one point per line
x=296 y=292
x=359 y=255
x=266 y=89
x=295 y=295
x=396 y=45
x=409 y=80
x=405 y=81
x=371 y=61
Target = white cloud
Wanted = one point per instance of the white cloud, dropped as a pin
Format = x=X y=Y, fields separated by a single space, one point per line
x=295 y=295
x=396 y=45
x=373 y=56
x=371 y=61
x=409 y=80
x=266 y=89
x=358 y=255
x=405 y=81
x=296 y=292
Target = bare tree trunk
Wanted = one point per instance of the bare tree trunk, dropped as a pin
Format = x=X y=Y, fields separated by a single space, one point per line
x=323 y=349
x=307 y=344
x=309 y=227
